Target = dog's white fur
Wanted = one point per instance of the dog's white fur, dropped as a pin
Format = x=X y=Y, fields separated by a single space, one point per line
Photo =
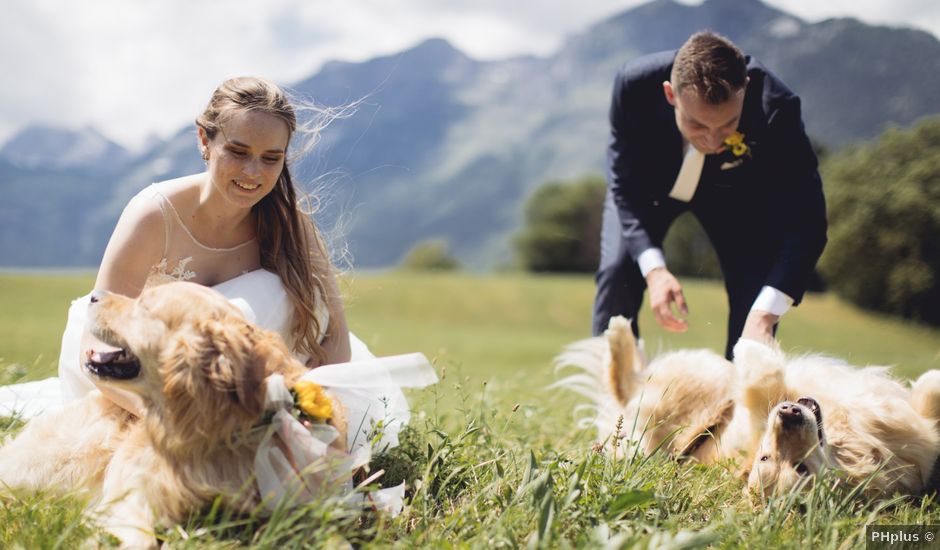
x=697 y=405
x=201 y=378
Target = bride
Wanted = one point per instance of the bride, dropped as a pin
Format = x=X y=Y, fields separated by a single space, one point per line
x=237 y=217
x=237 y=227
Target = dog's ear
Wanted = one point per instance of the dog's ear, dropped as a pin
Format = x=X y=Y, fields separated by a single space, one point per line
x=181 y=362
x=247 y=383
x=236 y=367
x=268 y=356
x=256 y=354
x=711 y=427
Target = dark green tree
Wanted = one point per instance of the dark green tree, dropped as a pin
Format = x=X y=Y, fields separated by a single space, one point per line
x=562 y=233
x=884 y=223
x=562 y=226
x=688 y=251
x=430 y=255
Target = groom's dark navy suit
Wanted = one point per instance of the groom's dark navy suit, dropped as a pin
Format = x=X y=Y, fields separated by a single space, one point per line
x=764 y=212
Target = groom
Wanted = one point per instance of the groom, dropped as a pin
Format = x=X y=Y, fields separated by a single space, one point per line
x=709 y=130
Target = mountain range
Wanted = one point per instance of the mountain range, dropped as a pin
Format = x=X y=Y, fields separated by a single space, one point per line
x=443 y=146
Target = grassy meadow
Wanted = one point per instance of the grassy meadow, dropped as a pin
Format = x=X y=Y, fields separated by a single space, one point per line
x=496 y=460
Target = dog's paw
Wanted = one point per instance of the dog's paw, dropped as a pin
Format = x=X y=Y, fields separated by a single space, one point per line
x=618 y=329
x=620 y=359
x=925 y=395
x=754 y=361
x=929 y=382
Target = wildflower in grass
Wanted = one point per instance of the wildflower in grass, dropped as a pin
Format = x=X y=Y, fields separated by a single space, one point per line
x=618 y=432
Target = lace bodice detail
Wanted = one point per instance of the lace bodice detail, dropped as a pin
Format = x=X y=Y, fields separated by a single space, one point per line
x=186 y=258
x=160 y=273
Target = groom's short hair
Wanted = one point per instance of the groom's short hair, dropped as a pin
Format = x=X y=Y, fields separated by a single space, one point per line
x=711 y=66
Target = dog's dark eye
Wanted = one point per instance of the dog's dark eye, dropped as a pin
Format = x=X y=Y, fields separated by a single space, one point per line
x=765 y=458
x=801 y=469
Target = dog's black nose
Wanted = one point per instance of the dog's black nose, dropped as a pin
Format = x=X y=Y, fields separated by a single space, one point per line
x=790 y=414
x=96 y=296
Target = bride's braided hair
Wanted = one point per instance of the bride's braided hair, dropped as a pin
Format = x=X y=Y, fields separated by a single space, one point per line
x=291 y=245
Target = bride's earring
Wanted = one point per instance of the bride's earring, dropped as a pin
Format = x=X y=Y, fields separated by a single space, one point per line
x=205 y=156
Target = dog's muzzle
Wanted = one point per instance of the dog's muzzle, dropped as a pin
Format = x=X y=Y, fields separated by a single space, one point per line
x=117 y=364
x=791 y=415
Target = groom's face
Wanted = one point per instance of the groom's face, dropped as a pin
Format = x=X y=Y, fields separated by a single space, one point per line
x=703 y=124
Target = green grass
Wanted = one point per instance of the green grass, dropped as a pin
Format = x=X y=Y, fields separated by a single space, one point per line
x=496 y=326
x=35 y=309
x=499 y=460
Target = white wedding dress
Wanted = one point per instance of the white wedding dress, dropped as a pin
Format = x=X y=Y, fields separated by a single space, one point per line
x=370 y=388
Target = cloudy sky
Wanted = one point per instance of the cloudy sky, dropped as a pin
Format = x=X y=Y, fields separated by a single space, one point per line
x=135 y=69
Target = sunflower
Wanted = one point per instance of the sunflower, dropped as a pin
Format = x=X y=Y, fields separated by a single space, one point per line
x=312 y=400
x=736 y=143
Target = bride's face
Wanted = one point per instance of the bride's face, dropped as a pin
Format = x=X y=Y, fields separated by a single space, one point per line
x=246 y=156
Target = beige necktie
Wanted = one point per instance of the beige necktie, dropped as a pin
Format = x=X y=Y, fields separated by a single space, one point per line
x=689 y=174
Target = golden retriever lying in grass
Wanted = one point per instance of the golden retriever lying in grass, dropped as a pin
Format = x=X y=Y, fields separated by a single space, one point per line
x=200 y=369
x=782 y=419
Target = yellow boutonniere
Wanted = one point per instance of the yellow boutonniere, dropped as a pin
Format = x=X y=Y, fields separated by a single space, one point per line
x=312 y=400
x=735 y=142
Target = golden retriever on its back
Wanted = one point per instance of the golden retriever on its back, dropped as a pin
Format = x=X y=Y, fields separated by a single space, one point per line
x=783 y=420
x=200 y=370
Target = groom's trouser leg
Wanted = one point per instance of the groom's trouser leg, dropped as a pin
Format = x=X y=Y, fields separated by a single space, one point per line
x=620 y=285
x=743 y=285
x=620 y=288
x=746 y=254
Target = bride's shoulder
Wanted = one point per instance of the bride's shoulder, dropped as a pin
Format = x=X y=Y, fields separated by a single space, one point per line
x=176 y=190
x=147 y=212
x=175 y=193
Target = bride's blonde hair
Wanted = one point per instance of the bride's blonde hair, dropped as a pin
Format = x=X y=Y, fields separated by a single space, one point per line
x=291 y=245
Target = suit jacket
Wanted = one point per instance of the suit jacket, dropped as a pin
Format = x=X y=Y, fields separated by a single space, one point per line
x=766 y=204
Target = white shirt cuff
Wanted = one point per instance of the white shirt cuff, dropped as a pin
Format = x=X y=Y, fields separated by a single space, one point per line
x=773 y=301
x=650 y=259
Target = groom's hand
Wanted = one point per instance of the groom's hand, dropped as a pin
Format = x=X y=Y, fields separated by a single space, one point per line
x=759 y=326
x=666 y=292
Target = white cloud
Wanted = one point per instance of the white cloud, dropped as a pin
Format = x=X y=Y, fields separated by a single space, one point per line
x=132 y=69
x=920 y=14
